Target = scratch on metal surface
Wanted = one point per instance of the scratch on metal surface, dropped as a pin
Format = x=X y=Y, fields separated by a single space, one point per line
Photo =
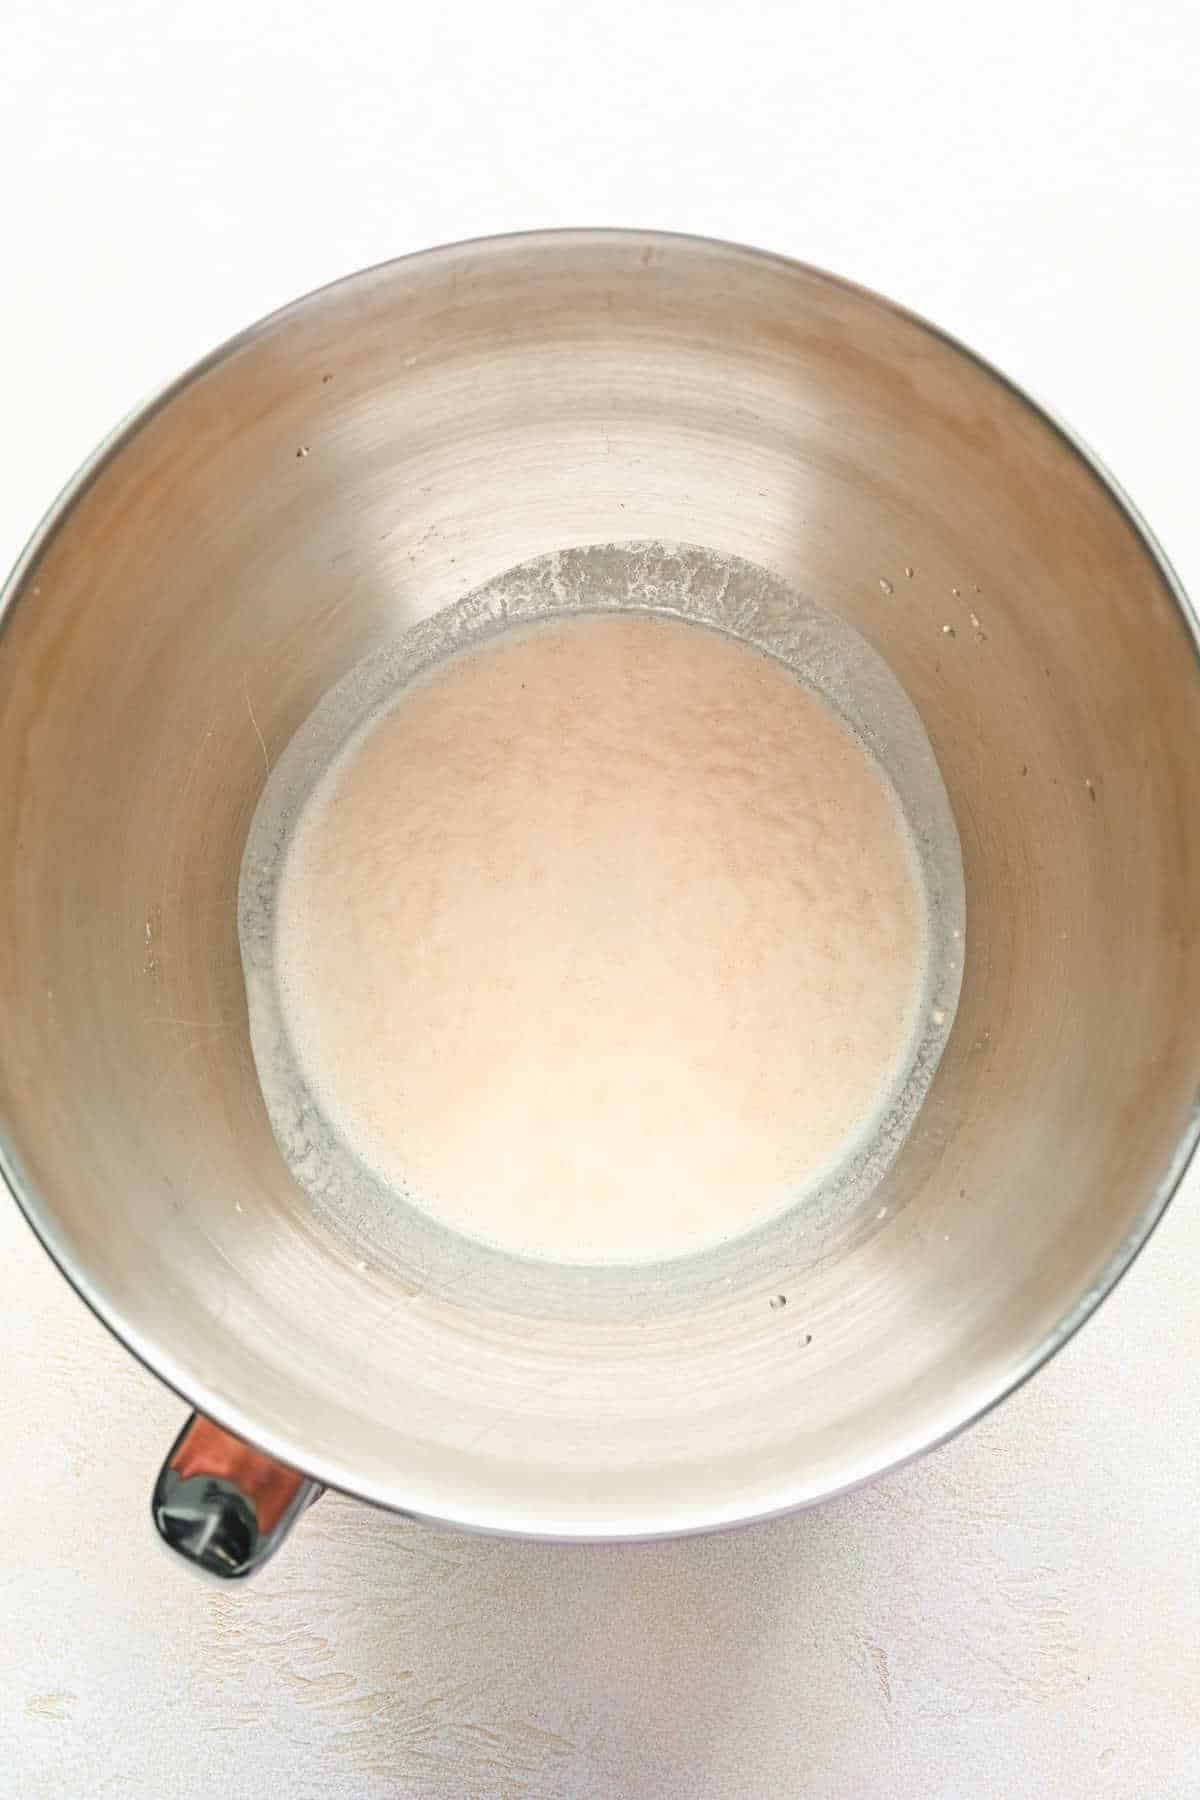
x=170 y=1019
x=258 y=734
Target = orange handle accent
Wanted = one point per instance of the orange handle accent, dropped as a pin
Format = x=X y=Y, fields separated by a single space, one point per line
x=225 y=1506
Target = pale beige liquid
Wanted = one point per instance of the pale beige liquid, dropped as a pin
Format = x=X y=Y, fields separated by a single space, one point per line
x=603 y=940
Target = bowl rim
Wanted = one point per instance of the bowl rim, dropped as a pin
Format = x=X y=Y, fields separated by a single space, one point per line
x=795 y=1492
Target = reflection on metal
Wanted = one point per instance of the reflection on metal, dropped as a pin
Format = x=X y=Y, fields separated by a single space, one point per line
x=224 y=1506
x=201 y=586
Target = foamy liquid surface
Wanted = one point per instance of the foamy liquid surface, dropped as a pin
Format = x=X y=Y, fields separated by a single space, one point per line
x=602 y=939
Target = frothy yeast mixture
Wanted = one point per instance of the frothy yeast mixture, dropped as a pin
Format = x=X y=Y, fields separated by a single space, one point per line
x=602 y=939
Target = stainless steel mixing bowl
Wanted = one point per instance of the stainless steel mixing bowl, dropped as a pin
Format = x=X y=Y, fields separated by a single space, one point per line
x=359 y=460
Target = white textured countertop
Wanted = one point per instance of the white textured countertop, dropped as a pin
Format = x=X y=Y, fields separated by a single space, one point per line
x=1018 y=1614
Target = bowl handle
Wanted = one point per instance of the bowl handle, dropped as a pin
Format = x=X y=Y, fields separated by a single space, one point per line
x=223 y=1506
